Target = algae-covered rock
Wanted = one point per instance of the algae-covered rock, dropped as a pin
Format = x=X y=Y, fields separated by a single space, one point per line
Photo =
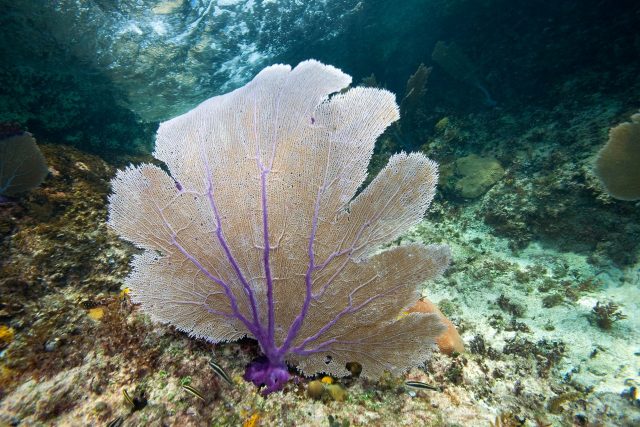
x=315 y=389
x=336 y=392
x=475 y=175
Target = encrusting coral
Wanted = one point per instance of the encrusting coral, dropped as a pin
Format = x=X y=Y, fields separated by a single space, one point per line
x=258 y=230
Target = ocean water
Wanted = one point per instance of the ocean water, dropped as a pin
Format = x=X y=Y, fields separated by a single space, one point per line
x=327 y=213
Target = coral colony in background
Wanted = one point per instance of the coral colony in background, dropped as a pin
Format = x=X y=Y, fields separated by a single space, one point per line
x=618 y=162
x=22 y=165
x=257 y=229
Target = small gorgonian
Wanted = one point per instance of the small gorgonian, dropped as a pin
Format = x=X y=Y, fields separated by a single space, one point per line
x=257 y=229
x=22 y=165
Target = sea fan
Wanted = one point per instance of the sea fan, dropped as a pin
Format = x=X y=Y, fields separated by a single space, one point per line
x=22 y=165
x=618 y=162
x=258 y=231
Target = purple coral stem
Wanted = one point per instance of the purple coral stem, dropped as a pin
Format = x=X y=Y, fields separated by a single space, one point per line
x=232 y=260
x=225 y=247
x=232 y=300
x=267 y=262
x=297 y=323
x=268 y=345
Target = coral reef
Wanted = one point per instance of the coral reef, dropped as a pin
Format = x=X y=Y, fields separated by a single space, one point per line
x=64 y=367
x=548 y=192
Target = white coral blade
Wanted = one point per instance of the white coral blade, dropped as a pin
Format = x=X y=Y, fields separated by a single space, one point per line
x=176 y=292
x=183 y=272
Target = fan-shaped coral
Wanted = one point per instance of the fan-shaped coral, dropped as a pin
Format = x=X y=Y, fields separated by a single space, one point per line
x=618 y=162
x=258 y=230
x=22 y=165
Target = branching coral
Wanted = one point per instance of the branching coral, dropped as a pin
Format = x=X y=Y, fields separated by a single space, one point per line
x=605 y=315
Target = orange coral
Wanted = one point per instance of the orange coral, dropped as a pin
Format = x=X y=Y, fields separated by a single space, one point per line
x=6 y=336
x=252 y=421
x=450 y=340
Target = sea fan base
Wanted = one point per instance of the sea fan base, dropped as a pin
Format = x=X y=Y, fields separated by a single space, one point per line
x=263 y=372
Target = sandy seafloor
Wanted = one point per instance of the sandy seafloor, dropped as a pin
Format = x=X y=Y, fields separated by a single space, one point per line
x=535 y=354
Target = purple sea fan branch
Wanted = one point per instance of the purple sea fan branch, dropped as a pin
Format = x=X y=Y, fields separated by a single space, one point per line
x=199 y=148
x=255 y=328
x=253 y=167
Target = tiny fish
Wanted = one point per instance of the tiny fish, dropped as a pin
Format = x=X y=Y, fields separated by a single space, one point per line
x=137 y=402
x=128 y=398
x=221 y=372
x=421 y=385
x=116 y=423
x=194 y=391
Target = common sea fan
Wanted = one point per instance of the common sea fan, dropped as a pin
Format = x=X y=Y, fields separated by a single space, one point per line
x=22 y=165
x=618 y=162
x=257 y=230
